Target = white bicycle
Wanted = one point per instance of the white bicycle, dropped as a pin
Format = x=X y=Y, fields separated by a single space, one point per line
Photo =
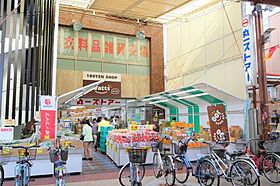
x=132 y=173
x=162 y=163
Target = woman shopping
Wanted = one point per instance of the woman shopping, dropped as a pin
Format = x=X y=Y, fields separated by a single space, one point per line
x=87 y=135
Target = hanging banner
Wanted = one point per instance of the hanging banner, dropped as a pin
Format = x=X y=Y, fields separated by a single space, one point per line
x=47 y=115
x=249 y=58
x=218 y=123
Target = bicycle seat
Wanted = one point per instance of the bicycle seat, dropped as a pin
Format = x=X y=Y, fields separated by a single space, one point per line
x=234 y=154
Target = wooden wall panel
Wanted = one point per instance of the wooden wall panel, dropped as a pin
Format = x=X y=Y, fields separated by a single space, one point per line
x=134 y=86
x=68 y=80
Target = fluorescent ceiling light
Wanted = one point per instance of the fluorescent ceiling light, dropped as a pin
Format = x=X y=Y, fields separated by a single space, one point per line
x=131 y=101
x=192 y=96
x=161 y=101
x=148 y=99
x=182 y=92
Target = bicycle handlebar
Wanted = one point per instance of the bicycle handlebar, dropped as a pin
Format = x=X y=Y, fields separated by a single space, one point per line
x=26 y=148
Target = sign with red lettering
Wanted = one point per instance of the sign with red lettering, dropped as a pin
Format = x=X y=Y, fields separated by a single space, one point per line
x=47 y=115
x=97 y=102
x=6 y=133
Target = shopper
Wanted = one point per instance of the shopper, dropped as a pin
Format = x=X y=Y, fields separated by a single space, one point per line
x=94 y=133
x=103 y=123
x=87 y=133
x=99 y=119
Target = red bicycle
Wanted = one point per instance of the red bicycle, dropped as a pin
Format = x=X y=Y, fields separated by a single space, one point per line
x=268 y=163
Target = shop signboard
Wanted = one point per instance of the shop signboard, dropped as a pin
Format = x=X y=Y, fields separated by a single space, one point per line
x=249 y=57
x=110 y=88
x=97 y=76
x=6 y=133
x=100 y=46
x=95 y=102
x=47 y=115
x=218 y=123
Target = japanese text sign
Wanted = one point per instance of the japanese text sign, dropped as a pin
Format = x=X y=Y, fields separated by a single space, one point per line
x=218 y=123
x=249 y=51
x=47 y=115
x=6 y=133
x=103 y=46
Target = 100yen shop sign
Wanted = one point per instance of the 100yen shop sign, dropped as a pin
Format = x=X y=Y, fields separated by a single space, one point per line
x=106 y=89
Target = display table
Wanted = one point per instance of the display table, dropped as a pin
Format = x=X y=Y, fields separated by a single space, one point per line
x=43 y=166
x=120 y=156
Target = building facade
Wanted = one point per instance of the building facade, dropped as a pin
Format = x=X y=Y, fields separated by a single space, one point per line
x=26 y=33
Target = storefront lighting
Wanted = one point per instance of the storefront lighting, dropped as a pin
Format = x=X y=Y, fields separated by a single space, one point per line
x=161 y=101
x=182 y=92
x=193 y=96
x=131 y=101
x=148 y=99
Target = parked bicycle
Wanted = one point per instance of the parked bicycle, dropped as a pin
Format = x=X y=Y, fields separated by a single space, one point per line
x=162 y=163
x=58 y=156
x=268 y=163
x=183 y=166
x=23 y=166
x=4 y=159
x=132 y=173
x=236 y=171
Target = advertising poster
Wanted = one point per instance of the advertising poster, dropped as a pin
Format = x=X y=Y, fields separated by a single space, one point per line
x=47 y=115
x=218 y=123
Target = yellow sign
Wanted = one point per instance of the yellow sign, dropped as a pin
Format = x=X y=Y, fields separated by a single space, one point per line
x=9 y=122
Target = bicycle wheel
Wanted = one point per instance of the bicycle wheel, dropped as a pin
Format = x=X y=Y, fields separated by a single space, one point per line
x=181 y=171
x=1 y=175
x=207 y=174
x=271 y=167
x=169 y=171
x=60 y=173
x=124 y=175
x=243 y=173
x=156 y=165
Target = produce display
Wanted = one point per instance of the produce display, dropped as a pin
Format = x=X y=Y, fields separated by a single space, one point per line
x=125 y=136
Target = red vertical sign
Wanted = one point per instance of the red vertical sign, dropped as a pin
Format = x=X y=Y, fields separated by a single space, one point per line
x=47 y=115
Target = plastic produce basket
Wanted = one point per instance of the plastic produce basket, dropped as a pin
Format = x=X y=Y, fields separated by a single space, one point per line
x=137 y=155
x=157 y=145
x=272 y=145
x=31 y=154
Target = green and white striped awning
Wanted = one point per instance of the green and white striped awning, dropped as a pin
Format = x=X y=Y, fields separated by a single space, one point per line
x=192 y=98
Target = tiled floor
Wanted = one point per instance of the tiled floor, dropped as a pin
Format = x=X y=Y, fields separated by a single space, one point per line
x=101 y=163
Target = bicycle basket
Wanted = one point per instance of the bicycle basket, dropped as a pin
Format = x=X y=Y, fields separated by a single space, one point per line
x=4 y=157
x=31 y=154
x=272 y=146
x=180 y=149
x=64 y=155
x=54 y=155
x=157 y=145
x=137 y=155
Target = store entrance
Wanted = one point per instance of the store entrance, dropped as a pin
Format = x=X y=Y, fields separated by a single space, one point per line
x=82 y=111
